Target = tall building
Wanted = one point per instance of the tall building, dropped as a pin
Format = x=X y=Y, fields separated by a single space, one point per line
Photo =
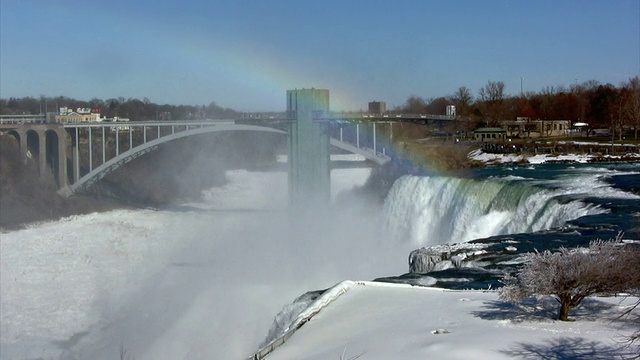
x=377 y=107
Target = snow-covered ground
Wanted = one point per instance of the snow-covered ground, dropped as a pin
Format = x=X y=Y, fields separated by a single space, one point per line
x=491 y=158
x=389 y=321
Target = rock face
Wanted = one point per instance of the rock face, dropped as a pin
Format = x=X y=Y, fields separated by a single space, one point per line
x=482 y=263
x=442 y=257
x=425 y=260
x=288 y=315
x=473 y=265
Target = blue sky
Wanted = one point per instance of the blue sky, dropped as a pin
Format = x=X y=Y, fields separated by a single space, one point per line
x=245 y=54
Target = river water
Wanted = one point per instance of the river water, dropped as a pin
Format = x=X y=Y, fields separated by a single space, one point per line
x=205 y=280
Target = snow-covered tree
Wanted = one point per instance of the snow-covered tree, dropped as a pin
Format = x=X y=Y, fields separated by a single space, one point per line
x=633 y=340
x=571 y=275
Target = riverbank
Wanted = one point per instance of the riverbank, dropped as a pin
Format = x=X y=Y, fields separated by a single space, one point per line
x=26 y=197
x=488 y=158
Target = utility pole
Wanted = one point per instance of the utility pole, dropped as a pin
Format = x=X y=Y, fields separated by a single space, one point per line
x=521 y=88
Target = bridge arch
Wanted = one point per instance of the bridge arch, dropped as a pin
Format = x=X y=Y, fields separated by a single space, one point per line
x=109 y=166
x=16 y=135
x=125 y=157
x=33 y=142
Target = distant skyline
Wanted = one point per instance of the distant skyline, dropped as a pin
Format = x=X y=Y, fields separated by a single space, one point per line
x=244 y=55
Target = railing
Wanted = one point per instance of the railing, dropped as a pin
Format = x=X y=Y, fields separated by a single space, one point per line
x=335 y=116
x=319 y=117
x=22 y=119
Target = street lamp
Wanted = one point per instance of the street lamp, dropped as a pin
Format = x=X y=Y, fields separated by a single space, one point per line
x=521 y=92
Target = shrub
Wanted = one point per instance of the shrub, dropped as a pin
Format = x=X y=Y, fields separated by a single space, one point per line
x=571 y=275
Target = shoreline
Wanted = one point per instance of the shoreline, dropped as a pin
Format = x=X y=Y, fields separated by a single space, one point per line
x=489 y=158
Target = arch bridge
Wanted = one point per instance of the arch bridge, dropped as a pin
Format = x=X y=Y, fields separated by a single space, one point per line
x=77 y=155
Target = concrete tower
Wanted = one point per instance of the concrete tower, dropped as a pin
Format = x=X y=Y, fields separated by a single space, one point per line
x=309 y=176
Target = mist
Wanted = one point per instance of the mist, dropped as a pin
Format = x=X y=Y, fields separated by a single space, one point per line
x=191 y=279
x=239 y=256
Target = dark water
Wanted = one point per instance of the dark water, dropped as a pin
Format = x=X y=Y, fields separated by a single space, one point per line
x=614 y=187
x=608 y=192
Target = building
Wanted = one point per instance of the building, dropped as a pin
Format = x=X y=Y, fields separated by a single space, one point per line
x=489 y=134
x=377 y=107
x=526 y=128
x=66 y=115
x=451 y=110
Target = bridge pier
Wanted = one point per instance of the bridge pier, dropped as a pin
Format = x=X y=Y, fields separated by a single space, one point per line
x=309 y=171
x=75 y=156
x=48 y=147
x=23 y=147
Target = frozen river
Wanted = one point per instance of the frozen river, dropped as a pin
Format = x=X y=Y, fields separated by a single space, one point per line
x=196 y=281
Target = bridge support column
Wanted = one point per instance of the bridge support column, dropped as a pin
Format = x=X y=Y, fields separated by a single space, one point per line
x=62 y=157
x=309 y=176
x=75 y=156
x=42 y=152
x=375 y=150
x=24 y=147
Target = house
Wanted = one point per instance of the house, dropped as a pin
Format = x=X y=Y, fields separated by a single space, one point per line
x=489 y=134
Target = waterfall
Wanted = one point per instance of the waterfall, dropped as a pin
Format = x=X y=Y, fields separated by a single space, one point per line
x=431 y=210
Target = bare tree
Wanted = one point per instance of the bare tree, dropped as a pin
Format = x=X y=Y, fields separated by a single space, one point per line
x=415 y=105
x=616 y=114
x=634 y=339
x=437 y=105
x=492 y=92
x=606 y=267
x=632 y=104
x=548 y=94
x=492 y=98
x=463 y=99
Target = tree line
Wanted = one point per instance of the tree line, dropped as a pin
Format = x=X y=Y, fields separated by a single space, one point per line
x=599 y=105
x=132 y=108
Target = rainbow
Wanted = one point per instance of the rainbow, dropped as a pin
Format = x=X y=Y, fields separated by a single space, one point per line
x=256 y=68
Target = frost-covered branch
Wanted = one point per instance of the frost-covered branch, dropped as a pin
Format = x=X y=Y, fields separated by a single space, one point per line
x=571 y=275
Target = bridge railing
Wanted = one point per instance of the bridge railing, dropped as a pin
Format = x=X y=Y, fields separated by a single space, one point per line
x=362 y=116
x=206 y=122
x=22 y=120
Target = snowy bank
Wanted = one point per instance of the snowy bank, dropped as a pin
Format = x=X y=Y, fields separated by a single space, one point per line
x=493 y=158
x=392 y=321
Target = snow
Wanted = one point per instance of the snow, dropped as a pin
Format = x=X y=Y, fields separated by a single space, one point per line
x=392 y=321
x=491 y=158
x=205 y=281
x=195 y=281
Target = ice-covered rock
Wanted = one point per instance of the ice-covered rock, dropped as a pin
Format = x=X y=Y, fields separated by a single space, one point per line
x=447 y=256
x=424 y=260
x=289 y=314
x=442 y=257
